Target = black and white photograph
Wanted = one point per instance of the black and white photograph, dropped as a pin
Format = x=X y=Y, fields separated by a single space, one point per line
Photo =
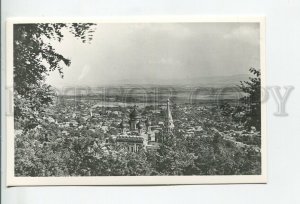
x=136 y=102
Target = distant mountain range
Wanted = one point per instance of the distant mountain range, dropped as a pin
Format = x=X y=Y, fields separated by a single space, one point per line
x=213 y=81
x=219 y=80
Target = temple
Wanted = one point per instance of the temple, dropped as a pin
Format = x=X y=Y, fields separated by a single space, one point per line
x=139 y=134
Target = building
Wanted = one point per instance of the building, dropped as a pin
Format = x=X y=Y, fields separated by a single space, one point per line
x=139 y=135
x=169 y=120
x=134 y=119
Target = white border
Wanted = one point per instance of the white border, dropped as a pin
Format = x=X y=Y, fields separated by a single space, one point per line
x=132 y=180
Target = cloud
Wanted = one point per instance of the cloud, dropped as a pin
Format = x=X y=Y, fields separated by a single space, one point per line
x=245 y=33
x=155 y=52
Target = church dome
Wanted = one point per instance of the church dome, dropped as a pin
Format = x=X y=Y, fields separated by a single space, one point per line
x=139 y=125
x=123 y=125
x=148 y=122
x=134 y=114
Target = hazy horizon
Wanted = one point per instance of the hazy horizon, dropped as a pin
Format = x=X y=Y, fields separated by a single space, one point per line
x=159 y=53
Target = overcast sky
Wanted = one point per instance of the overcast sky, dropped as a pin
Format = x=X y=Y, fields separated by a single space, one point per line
x=152 y=53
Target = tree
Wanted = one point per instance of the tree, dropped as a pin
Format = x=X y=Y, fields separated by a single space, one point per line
x=35 y=58
x=252 y=100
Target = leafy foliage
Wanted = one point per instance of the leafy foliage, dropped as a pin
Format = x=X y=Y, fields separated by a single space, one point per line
x=252 y=100
x=43 y=151
x=35 y=57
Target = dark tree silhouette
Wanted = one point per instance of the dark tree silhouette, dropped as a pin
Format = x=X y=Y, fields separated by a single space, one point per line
x=35 y=57
x=252 y=100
